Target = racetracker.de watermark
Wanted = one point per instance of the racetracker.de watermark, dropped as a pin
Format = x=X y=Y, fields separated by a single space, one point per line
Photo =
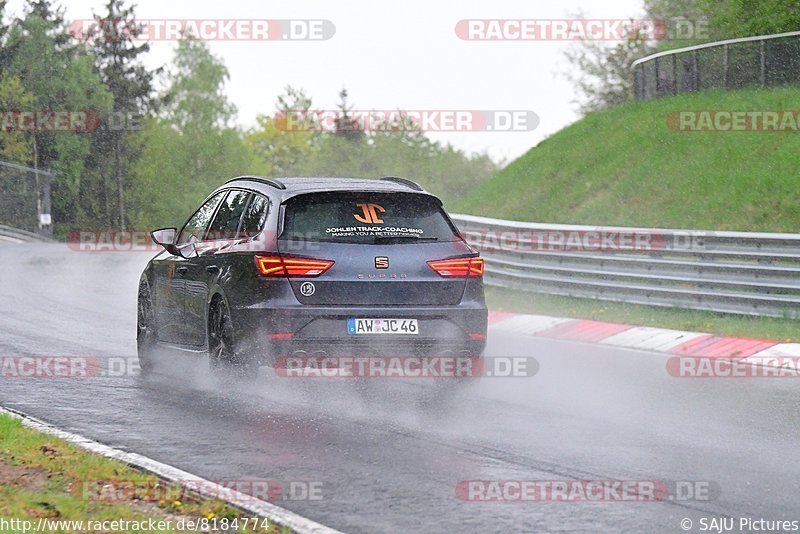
x=233 y=491
x=424 y=120
x=579 y=29
x=72 y=121
x=202 y=29
x=720 y=120
x=720 y=367
x=142 y=241
x=65 y=367
x=586 y=491
x=593 y=240
x=458 y=367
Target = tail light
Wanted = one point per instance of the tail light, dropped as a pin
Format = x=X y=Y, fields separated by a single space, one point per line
x=281 y=335
x=458 y=268
x=291 y=267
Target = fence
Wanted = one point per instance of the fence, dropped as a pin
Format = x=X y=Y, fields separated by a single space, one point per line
x=15 y=235
x=761 y=61
x=25 y=198
x=729 y=272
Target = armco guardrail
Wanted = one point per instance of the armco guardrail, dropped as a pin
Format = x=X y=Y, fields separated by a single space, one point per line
x=730 y=272
x=7 y=233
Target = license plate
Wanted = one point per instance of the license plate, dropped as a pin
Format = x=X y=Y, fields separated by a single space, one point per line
x=382 y=326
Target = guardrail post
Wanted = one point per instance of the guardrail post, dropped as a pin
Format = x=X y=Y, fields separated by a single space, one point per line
x=658 y=79
x=725 y=66
x=674 y=75
x=643 y=83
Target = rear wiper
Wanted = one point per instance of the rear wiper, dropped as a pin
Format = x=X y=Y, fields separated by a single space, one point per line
x=388 y=238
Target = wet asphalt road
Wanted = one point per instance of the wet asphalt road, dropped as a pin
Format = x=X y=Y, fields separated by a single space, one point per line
x=386 y=461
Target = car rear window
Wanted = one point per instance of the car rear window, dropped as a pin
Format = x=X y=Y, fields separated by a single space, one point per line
x=366 y=218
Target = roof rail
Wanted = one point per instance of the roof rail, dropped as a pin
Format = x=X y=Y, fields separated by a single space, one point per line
x=277 y=184
x=404 y=181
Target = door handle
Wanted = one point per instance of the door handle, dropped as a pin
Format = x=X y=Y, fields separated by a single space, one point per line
x=182 y=270
x=211 y=269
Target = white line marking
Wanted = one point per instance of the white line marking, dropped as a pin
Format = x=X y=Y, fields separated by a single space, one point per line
x=638 y=337
x=780 y=359
x=209 y=489
x=528 y=324
x=647 y=338
x=781 y=349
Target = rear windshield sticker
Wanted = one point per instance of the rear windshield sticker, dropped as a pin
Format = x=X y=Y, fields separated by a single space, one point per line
x=369 y=213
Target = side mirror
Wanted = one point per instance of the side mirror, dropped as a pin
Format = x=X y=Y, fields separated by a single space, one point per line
x=166 y=238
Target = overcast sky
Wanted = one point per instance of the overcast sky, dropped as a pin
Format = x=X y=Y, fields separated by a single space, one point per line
x=392 y=55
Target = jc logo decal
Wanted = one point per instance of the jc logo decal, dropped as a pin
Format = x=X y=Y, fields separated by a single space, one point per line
x=369 y=214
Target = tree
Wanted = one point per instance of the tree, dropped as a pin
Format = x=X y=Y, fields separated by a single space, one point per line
x=195 y=99
x=14 y=145
x=399 y=148
x=744 y=18
x=60 y=76
x=131 y=85
x=347 y=126
x=687 y=22
x=6 y=50
x=188 y=148
x=601 y=74
x=278 y=147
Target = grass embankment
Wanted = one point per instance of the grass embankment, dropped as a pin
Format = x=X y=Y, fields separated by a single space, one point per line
x=46 y=479
x=626 y=167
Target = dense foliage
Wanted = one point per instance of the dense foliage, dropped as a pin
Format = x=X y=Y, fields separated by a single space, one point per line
x=166 y=137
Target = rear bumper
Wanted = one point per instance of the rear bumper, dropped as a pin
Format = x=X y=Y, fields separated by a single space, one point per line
x=278 y=332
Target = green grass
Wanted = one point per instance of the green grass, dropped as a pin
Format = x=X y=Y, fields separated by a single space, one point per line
x=43 y=477
x=782 y=330
x=626 y=167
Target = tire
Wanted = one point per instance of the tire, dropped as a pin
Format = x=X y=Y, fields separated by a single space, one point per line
x=146 y=340
x=222 y=354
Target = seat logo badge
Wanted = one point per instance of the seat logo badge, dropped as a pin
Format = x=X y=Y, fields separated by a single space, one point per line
x=307 y=289
x=369 y=214
x=381 y=262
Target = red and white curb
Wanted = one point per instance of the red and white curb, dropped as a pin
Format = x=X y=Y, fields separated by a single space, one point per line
x=660 y=340
x=193 y=483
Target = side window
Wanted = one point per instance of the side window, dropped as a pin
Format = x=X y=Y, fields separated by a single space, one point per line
x=229 y=214
x=195 y=228
x=254 y=217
